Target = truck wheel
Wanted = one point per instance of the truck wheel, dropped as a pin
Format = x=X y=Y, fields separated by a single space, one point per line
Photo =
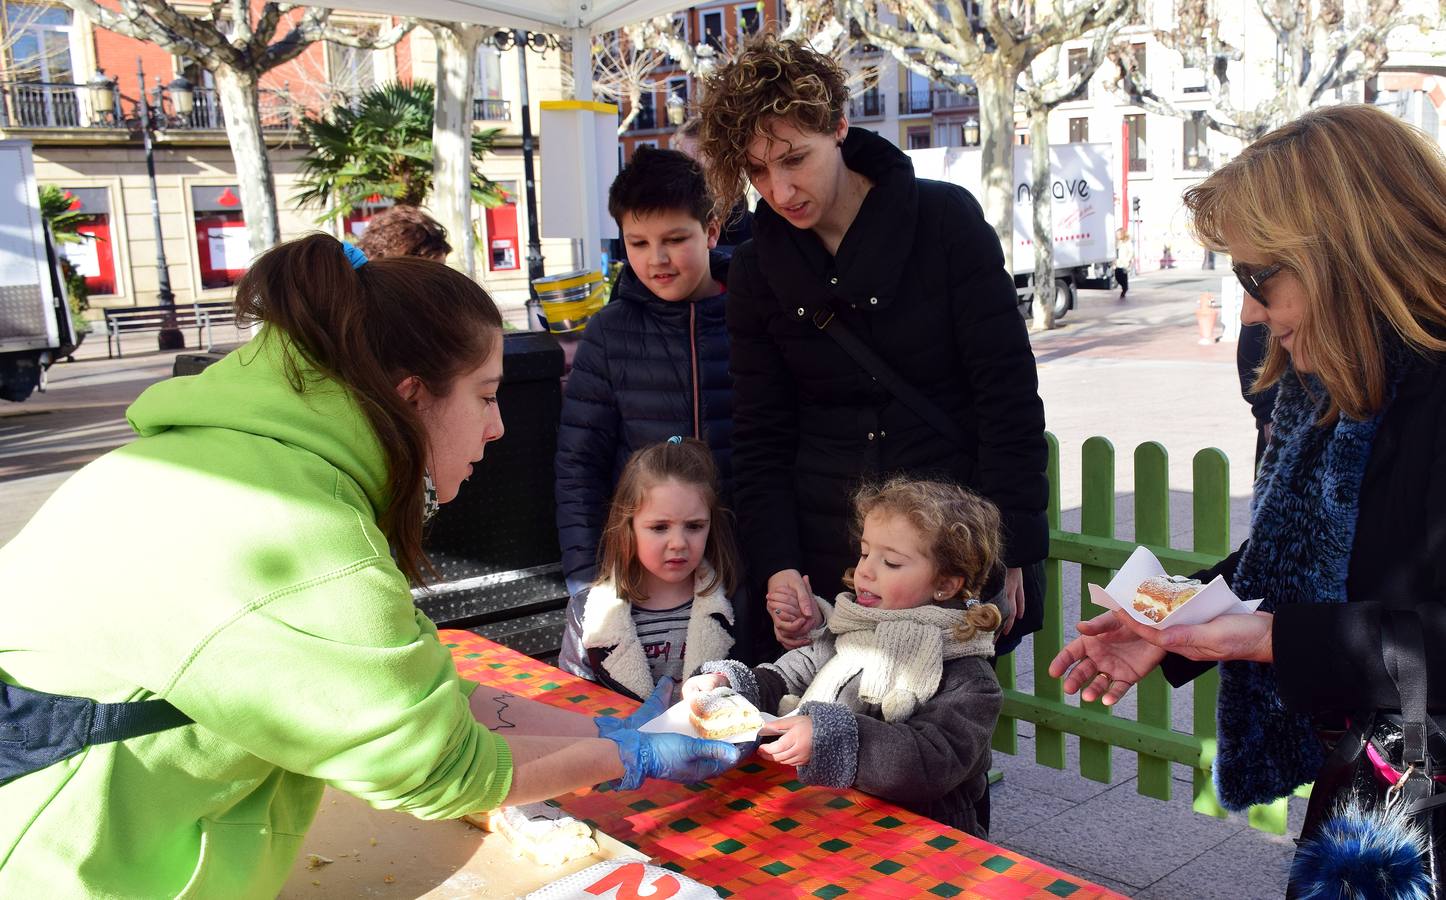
x=1063 y=298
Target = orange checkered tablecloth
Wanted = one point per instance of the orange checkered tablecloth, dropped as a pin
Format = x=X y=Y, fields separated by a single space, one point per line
x=758 y=832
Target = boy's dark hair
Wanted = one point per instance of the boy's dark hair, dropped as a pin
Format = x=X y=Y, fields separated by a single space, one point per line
x=660 y=181
x=404 y=231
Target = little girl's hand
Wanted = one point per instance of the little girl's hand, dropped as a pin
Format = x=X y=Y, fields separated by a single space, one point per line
x=702 y=684
x=795 y=748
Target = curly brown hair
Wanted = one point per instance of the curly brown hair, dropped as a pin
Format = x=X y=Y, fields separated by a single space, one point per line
x=404 y=231
x=768 y=80
x=962 y=533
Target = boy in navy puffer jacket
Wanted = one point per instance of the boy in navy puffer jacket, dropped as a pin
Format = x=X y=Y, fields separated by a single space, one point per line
x=653 y=363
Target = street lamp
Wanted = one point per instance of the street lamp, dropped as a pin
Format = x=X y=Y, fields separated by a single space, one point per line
x=102 y=95
x=183 y=96
x=677 y=110
x=540 y=43
x=971 y=132
x=148 y=121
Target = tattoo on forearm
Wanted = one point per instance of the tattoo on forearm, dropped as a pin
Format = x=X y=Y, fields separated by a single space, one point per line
x=502 y=706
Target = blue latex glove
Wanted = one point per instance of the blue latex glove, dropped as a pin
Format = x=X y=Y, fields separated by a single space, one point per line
x=674 y=757
x=654 y=706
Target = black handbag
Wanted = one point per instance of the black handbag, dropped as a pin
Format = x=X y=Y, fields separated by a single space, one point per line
x=1375 y=825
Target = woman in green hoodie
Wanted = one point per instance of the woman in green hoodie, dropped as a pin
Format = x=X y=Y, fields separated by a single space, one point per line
x=244 y=633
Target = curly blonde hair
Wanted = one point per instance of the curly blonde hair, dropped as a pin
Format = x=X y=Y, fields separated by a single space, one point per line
x=768 y=80
x=962 y=534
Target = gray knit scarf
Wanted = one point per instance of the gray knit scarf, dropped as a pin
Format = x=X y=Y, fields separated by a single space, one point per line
x=899 y=652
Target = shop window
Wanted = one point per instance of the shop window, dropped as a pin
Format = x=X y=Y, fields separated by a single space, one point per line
x=94 y=256
x=222 y=248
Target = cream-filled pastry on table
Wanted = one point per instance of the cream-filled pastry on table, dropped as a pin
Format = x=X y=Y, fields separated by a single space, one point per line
x=722 y=713
x=544 y=841
x=1161 y=595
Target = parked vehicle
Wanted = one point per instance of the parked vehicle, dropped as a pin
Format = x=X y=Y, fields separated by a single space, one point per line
x=1084 y=212
x=35 y=326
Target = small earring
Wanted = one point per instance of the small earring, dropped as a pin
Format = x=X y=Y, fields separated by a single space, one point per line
x=938 y=595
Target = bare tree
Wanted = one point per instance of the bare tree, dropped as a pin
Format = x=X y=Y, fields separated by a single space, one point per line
x=233 y=40
x=1042 y=91
x=983 y=52
x=623 y=71
x=1323 y=46
x=457 y=46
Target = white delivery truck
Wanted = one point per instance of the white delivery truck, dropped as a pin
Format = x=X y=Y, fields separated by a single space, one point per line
x=35 y=327
x=1084 y=212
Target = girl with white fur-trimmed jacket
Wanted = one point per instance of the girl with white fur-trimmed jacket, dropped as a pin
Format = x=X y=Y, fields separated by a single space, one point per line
x=661 y=606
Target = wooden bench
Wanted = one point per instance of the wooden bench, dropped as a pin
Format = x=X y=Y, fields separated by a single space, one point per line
x=133 y=319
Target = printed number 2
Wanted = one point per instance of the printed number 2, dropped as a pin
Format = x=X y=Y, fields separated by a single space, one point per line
x=628 y=879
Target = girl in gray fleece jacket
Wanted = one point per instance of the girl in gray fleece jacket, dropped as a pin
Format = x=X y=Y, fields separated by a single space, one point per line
x=895 y=696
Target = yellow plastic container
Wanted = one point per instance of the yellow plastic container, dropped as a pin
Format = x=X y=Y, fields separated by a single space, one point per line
x=570 y=299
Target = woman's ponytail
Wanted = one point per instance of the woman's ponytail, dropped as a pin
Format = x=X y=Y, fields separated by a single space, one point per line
x=370 y=328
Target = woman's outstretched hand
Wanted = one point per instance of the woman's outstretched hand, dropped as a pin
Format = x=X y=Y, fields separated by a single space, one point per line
x=673 y=757
x=1242 y=637
x=1107 y=659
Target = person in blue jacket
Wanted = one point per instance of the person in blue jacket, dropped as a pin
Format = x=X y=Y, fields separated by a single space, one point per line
x=653 y=363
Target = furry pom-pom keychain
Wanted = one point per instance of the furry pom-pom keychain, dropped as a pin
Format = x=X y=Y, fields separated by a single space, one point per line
x=1364 y=854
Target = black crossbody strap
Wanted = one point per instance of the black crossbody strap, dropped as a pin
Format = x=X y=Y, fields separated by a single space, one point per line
x=119 y=721
x=1404 y=653
x=884 y=374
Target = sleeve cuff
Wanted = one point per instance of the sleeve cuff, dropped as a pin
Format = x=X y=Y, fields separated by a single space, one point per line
x=738 y=675
x=834 y=761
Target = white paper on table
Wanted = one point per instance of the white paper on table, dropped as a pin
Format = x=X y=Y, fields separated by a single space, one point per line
x=230 y=248
x=675 y=720
x=1215 y=599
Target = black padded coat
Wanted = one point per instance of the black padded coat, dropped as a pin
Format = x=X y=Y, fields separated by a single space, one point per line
x=646 y=369
x=920 y=277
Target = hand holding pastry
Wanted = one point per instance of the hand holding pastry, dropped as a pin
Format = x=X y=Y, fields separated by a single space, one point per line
x=795 y=747
x=702 y=684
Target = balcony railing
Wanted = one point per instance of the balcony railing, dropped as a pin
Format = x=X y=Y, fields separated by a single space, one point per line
x=1197 y=161
x=39 y=104
x=35 y=104
x=944 y=98
x=869 y=105
x=487 y=109
x=915 y=102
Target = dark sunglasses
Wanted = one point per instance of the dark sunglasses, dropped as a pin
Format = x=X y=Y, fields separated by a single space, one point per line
x=1252 y=281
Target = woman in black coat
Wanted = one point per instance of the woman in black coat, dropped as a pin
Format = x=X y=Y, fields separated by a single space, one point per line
x=914 y=271
x=1337 y=225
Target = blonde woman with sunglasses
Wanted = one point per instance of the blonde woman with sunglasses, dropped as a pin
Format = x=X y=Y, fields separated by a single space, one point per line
x=1337 y=226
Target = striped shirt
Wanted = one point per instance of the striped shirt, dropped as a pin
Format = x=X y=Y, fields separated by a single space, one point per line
x=664 y=634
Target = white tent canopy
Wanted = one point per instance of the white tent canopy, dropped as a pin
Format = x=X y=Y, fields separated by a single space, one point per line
x=560 y=17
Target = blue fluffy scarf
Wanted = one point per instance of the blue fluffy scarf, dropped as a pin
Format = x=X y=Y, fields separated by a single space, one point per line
x=1303 y=525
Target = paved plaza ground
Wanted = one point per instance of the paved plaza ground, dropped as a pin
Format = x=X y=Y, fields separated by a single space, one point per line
x=1131 y=372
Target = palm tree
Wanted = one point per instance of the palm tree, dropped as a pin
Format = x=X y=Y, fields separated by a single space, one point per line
x=56 y=209
x=380 y=146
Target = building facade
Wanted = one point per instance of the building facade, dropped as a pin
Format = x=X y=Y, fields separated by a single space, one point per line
x=51 y=62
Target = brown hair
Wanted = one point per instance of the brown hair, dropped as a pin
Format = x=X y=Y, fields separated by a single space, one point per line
x=688 y=462
x=1353 y=202
x=768 y=80
x=369 y=328
x=961 y=531
x=404 y=231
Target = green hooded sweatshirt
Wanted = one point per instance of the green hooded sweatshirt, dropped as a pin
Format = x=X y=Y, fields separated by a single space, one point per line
x=234 y=567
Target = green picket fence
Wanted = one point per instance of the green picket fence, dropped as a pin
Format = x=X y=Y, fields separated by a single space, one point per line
x=1150 y=735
